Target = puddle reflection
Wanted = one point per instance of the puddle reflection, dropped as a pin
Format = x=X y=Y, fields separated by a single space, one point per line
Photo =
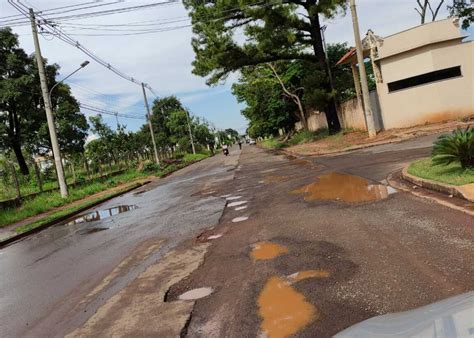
x=100 y=214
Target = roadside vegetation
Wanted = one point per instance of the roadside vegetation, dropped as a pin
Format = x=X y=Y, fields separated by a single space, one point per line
x=452 y=159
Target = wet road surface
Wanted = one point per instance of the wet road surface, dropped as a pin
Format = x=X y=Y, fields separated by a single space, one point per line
x=359 y=251
x=303 y=247
x=45 y=278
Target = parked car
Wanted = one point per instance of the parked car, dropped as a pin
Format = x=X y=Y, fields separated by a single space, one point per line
x=252 y=141
x=452 y=317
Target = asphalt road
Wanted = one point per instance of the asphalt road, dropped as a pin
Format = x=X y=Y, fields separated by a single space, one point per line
x=366 y=258
x=45 y=278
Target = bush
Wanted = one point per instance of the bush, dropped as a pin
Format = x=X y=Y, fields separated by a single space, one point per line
x=150 y=167
x=304 y=136
x=455 y=148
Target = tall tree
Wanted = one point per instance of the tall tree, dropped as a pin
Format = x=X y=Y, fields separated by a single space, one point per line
x=275 y=31
x=464 y=9
x=22 y=118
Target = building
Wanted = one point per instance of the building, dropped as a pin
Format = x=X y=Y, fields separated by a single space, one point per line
x=423 y=75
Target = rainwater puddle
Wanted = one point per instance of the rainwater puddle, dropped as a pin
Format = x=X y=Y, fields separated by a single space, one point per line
x=235 y=204
x=267 y=250
x=240 y=219
x=344 y=187
x=196 y=294
x=101 y=214
x=240 y=208
x=284 y=310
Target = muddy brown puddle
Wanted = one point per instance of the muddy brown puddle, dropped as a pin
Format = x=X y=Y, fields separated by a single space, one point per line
x=284 y=310
x=343 y=187
x=100 y=214
x=267 y=250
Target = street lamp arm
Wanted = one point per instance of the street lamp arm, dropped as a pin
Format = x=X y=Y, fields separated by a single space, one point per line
x=85 y=63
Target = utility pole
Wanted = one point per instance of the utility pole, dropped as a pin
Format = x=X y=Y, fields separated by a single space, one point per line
x=190 y=132
x=157 y=160
x=47 y=107
x=363 y=75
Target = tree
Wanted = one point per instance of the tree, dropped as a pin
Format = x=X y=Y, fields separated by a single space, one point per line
x=23 y=122
x=424 y=5
x=464 y=11
x=275 y=31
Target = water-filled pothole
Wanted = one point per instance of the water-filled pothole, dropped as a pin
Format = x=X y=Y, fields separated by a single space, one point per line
x=344 y=187
x=267 y=250
x=100 y=214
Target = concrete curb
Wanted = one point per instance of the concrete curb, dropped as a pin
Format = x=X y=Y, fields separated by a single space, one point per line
x=63 y=218
x=436 y=186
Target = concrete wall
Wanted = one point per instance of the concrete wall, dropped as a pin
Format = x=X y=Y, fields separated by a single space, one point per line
x=432 y=102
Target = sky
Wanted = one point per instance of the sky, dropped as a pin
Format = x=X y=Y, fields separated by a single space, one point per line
x=163 y=59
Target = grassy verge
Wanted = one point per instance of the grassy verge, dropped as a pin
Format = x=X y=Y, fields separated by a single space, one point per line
x=273 y=143
x=51 y=200
x=450 y=174
x=64 y=212
x=300 y=137
x=48 y=201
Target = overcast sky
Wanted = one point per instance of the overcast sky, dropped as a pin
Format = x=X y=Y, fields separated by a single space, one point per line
x=163 y=59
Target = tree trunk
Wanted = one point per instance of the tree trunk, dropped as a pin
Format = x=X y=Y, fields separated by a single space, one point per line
x=20 y=158
x=331 y=111
x=15 y=181
x=38 y=176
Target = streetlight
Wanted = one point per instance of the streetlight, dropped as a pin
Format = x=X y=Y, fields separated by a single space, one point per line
x=61 y=178
x=82 y=65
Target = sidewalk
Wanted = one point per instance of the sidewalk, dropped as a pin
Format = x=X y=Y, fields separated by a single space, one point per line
x=358 y=139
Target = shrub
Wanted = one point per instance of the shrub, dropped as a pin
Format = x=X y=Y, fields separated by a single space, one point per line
x=150 y=167
x=456 y=147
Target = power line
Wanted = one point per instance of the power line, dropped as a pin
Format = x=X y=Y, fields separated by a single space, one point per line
x=55 y=31
x=96 y=13
x=108 y=112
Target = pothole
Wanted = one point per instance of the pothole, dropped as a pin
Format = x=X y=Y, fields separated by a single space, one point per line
x=346 y=188
x=196 y=293
x=241 y=208
x=301 y=275
x=267 y=250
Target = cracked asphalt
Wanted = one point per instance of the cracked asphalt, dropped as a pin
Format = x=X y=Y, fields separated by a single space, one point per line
x=197 y=229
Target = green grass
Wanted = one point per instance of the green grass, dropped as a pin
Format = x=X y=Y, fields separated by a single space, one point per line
x=272 y=143
x=450 y=174
x=306 y=136
x=51 y=200
x=194 y=157
x=61 y=213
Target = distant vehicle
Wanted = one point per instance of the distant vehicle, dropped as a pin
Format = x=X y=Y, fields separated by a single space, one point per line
x=452 y=317
x=252 y=141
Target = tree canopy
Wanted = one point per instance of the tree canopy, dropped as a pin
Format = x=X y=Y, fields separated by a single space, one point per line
x=23 y=125
x=274 y=31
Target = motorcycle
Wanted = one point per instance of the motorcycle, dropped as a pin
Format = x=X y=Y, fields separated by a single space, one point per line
x=226 y=151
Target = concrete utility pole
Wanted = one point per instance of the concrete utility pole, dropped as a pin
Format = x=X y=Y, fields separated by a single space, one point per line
x=363 y=75
x=190 y=132
x=47 y=107
x=157 y=160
